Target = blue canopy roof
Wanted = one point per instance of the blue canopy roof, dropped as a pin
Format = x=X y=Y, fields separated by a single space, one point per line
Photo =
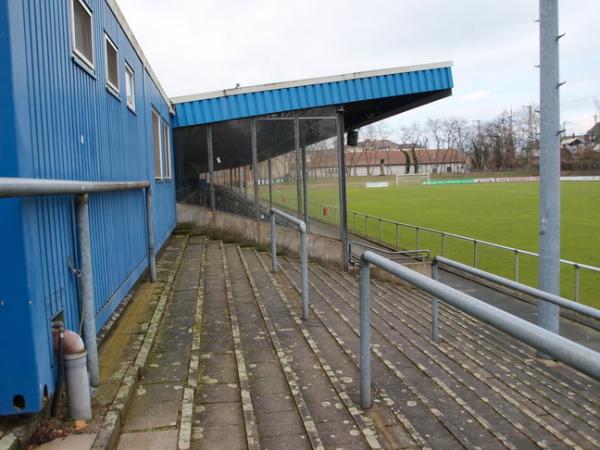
x=374 y=95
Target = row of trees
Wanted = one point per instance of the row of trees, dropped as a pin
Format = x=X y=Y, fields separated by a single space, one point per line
x=508 y=141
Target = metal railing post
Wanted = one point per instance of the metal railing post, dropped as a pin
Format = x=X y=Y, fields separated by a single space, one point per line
x=303 y=253
x=443 y=244
x=273 y=243
x=87 y=288
x=516 y=265
x=354 y=220
x=380 y=230
x=576 y=266
x=150 y=234
x=434 y=305
x=365 y=334
x=418 y=239
x=474 y=253
x=397 y=237
x=304 y=270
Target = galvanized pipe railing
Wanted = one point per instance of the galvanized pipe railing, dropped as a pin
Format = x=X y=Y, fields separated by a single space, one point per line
x=520 y=287
x=476 y=243
x=32 y=187
x=303 y=252
x=564 y=350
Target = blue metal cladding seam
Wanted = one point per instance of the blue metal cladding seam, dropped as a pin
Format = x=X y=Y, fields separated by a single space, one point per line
x=311 y=96
x=67 y=125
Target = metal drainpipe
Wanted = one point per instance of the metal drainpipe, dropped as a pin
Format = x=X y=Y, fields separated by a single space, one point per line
x=150 y=234
x=87 y=288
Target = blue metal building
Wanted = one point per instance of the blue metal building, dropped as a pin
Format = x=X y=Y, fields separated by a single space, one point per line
x=77 y=101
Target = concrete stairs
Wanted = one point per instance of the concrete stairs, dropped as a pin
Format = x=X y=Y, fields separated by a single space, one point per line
x=234 y=366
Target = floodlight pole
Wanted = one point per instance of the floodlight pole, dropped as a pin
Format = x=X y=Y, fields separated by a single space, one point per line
x=549 y=265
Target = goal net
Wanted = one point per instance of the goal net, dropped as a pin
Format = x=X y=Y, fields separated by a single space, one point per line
x=413 y=178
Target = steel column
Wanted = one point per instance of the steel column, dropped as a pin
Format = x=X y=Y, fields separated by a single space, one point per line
x=150 y=233
x=273 y=243
x=342 y=185
x=549 y=268
x=88 y=304
x=211 y=170
x=304 y=186
x=270 y=183
x=255 y=168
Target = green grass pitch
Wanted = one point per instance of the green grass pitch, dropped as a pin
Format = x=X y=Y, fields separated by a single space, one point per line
x=504 y=213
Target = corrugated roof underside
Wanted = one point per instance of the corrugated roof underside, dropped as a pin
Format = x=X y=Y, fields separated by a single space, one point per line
x=311 y=96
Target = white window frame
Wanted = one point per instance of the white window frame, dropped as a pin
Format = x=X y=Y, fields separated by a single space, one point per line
x=166 y=169
x=108 y=41
x=130 y=76
x=156 y=115
x=75 y=50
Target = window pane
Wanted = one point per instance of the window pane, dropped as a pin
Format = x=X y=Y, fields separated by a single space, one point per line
x=166 y=151
x=112 y=72
x=157 y=145
x=83 y=30
x=129 y=87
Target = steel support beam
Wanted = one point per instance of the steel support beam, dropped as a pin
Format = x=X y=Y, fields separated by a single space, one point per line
x=270 y=183
x=342 y=185
x=298 y=163
x=549 y=231
x=255 y=167
x=211 y=170
x=304 y=187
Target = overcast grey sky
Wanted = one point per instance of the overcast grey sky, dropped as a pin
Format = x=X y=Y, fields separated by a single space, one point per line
x=198 y=46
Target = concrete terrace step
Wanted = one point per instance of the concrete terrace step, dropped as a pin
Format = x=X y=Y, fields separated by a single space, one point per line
x=234 y=366
x=489 y=379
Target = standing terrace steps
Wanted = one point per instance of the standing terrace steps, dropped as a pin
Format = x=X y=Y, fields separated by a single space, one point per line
x=544 y=405
x=235 y=366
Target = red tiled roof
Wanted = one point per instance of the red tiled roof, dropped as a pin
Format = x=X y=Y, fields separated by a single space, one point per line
x=328 y=158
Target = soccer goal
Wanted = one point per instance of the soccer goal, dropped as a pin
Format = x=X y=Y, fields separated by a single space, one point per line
x=412 y=178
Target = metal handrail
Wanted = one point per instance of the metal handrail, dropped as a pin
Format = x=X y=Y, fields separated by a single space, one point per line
x=537 y=293
x=569 y=352
x=407 y=253
x=32 y=187
x=303 y=252
x=475 y=242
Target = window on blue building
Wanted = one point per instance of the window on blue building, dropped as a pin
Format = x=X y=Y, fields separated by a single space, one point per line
x=83 y=37
x=166 y=148
x=129 y=87
x=112 y=64
x=157 y=144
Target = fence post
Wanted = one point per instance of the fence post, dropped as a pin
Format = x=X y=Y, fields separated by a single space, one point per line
x=418 y=239
x=443 y=244
x=365 y=335
x=380 y=229
x=516 y=265
x=397 y=237
x=474 y=253
x=273 y=244
x=354 y=220
x=434 y=304
x=577 y=283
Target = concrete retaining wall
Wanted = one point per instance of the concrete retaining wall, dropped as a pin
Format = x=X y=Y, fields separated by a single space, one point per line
x=325 y=250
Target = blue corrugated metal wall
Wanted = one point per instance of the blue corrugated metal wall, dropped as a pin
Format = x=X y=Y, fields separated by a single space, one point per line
x=311 y=96
x=61 y=122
